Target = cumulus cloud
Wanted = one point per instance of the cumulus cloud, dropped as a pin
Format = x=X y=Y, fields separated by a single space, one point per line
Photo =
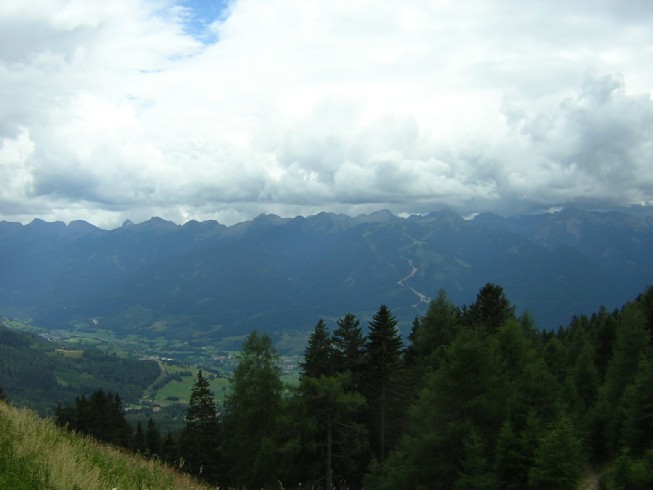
x=136 y=108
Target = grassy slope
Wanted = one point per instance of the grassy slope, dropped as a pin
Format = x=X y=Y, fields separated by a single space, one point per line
x=35 y=454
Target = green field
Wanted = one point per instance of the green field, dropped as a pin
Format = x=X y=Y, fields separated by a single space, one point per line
x=70 y=353
x=178 y=390
x=179 y=361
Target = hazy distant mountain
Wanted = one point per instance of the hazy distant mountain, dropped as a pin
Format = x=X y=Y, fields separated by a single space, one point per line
x=206 y=280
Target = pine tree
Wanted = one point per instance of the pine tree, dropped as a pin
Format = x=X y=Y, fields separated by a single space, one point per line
x=476 y=473
x=318 y=356
x=384 y=389
x=331 y=408
x=199 y=441
x=349 y=359
x=153 y=438
x=637 y=409
x=349 y=346
x=438 y=327
x=466 y=393
x=139 y=444
x=170 y=450
x=251 y=412
x=491 y=308
x=558 y=461
x=511 y=462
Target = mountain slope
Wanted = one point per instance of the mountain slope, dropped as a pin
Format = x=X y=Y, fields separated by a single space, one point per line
x=35 y=454
x=34 y=372
x=206 y=281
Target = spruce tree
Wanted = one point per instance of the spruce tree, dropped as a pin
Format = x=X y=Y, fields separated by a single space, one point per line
x=491 y=308
x=251 y=412
x=384 y=388
x=349 y=359
x=318 y=356
x=331 y=407
x=349 y=345
x=153 y=439
x=438 y=327
x=139 y=444
x=558 y=461
x=199 y=441
x=170 y=450
x=637 y=411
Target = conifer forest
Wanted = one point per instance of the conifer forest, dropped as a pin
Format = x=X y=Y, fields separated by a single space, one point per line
x=474 y=398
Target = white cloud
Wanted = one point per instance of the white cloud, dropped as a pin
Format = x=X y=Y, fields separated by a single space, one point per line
x=114 y=110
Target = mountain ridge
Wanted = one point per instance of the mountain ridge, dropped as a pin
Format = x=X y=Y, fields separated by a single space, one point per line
x=206 y=280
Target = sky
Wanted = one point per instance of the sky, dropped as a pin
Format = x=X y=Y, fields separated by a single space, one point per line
x=228 y=109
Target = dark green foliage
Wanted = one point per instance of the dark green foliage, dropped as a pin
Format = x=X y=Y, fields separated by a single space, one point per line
x=558 y=461
x=586 y=377
x=437 y=328
x=491 y=308
x=3 y=395
x=384 y=390
x=503 y=407
x=331 y=408
x=348 y=346
x=631 y=473
x=153 y=439
x=479 y=400
x=637 y=411
x=476 y=472
x=36 y=376
x=460 y=404
x=511 y=460
x=170 y=450
x=605 y=327
x=100 y=416
x=318 y=357
x=251 y=416
x=199 y=441
x=139 y=444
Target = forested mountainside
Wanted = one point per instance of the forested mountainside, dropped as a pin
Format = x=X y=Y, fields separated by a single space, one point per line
x=476 y=398
x=37 y=373
x=207 y=281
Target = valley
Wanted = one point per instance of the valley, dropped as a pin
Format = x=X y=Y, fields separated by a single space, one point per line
x=178 y=361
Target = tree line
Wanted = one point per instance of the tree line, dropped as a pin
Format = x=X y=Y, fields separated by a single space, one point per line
x=476 y=398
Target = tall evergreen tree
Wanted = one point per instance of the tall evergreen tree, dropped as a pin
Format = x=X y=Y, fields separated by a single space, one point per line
x=251 y=413
x=199 y=441
x=464 y=396
x=139 y=444
x=170 y=450
x=438 y=327
x=558 y=461
x=100 y=416
x=153 y=439
x=331 y=408
x=384 y=389
x=637 y=410
x=318 y=356
x=349 y=346
x=491 y=308
x=349 y=359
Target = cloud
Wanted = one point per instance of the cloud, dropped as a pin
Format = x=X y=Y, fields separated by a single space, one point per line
x=135 y=108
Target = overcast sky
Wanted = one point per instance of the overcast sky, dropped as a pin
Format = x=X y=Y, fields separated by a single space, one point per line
x=225 y=110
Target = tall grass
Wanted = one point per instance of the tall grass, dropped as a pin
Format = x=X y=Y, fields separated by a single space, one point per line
x=36 y=454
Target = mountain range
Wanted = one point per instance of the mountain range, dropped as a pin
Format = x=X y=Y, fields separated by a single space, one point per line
x=204 y=280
